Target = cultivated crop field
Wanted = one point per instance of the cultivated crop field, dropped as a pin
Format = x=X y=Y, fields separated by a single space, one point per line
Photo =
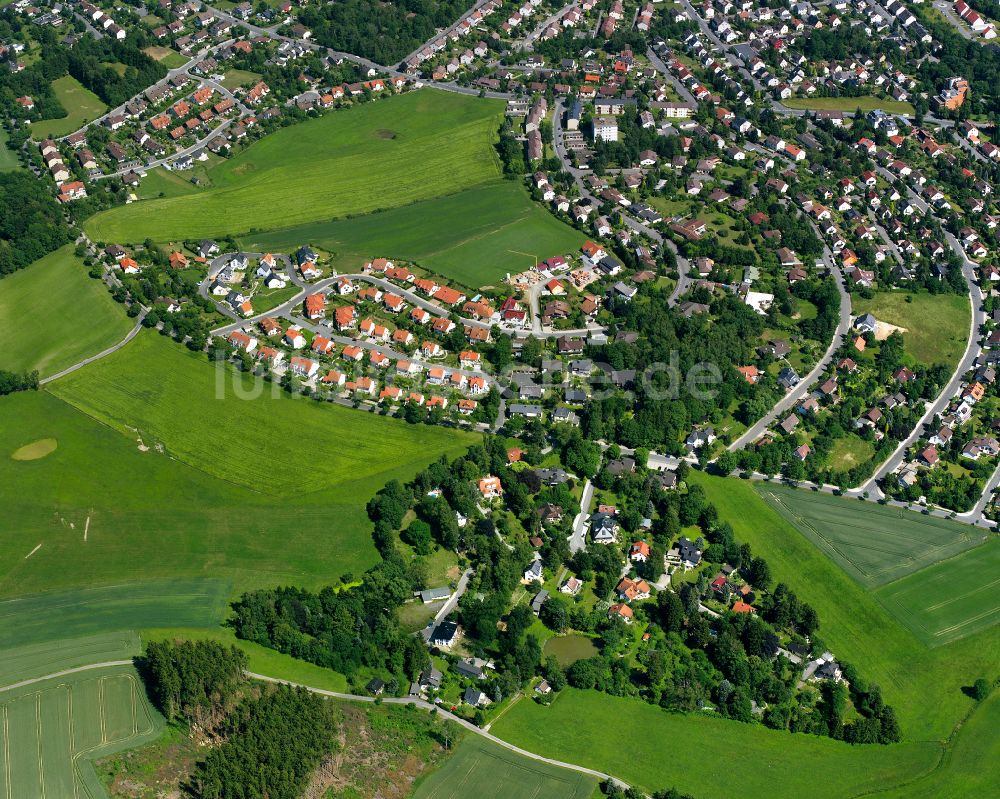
x=951 y=599
x=21 y=663
x=479 y=768
x=55 y=615
x=875 y=544
x=924 y=684
x=378 y=155
x=53 y=315
x=81 y=105
x=474 y=237
x=52 y=729
x=272 y=443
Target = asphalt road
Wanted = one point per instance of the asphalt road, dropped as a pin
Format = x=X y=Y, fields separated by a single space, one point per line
x=972 y=350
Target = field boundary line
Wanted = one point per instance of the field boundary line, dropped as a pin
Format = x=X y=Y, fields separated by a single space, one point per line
x=64 y=673
x=6 y=752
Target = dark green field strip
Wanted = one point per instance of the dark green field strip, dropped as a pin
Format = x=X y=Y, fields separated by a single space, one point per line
x=72 y=614
x=875 y=544
x=949 y=600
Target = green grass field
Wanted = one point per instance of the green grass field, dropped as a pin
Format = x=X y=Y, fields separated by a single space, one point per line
x=702 y=754
x=235 y=78
x=52 y=730
x=8 y=158
x=159 y=182
x=568 y=649
x=265 y=440
x=171 y=59
x=951 y=599
x=848 y=451
x=53 y=615
x=484 y=769
x=875 y=544
x=53 y=315
x=378 y=155
x=475 y=237
x=215 y=503
x=924 y=684
x=848 y=104
x=81 y=105
x=937 y=325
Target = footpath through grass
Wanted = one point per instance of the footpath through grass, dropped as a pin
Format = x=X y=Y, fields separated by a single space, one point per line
x=378 y=155
x=480 y=768
x=81 y=105
x=475 y=237
x=52 y=315
x=937 y=325
x=924 y=685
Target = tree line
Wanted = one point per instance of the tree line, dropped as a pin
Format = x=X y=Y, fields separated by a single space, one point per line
x=31 y=226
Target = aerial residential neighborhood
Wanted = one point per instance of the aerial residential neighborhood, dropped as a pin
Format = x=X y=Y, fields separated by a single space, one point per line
x=501 y=397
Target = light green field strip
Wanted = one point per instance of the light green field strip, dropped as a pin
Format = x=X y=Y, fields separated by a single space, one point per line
x=479 y=768
x=950 y=600
x=37 y=660
x=80 y=318
x=378 y=155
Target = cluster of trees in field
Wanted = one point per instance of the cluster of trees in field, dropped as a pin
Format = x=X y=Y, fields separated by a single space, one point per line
x=344 y=628
x=31 y=225
x=273 y=743
x=17 y=381
x=193 y=680
x=383 y=32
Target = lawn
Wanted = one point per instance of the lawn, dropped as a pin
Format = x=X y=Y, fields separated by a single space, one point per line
x=266 y=299
x=849 y=451
x=951 y=599
x=52 y=731
x=924 y=684
x=161 y=182
x=374 y=156
x=163 y=515
x=52 y=315
x=235 y=78
x=8 y=158
x=568 y=649
x=937 y=325
x=484 y=769
x=81 y=105
x=475 y=237
x=848 y=104
x=171 y=59
x=590 y=728
x=875 y=544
